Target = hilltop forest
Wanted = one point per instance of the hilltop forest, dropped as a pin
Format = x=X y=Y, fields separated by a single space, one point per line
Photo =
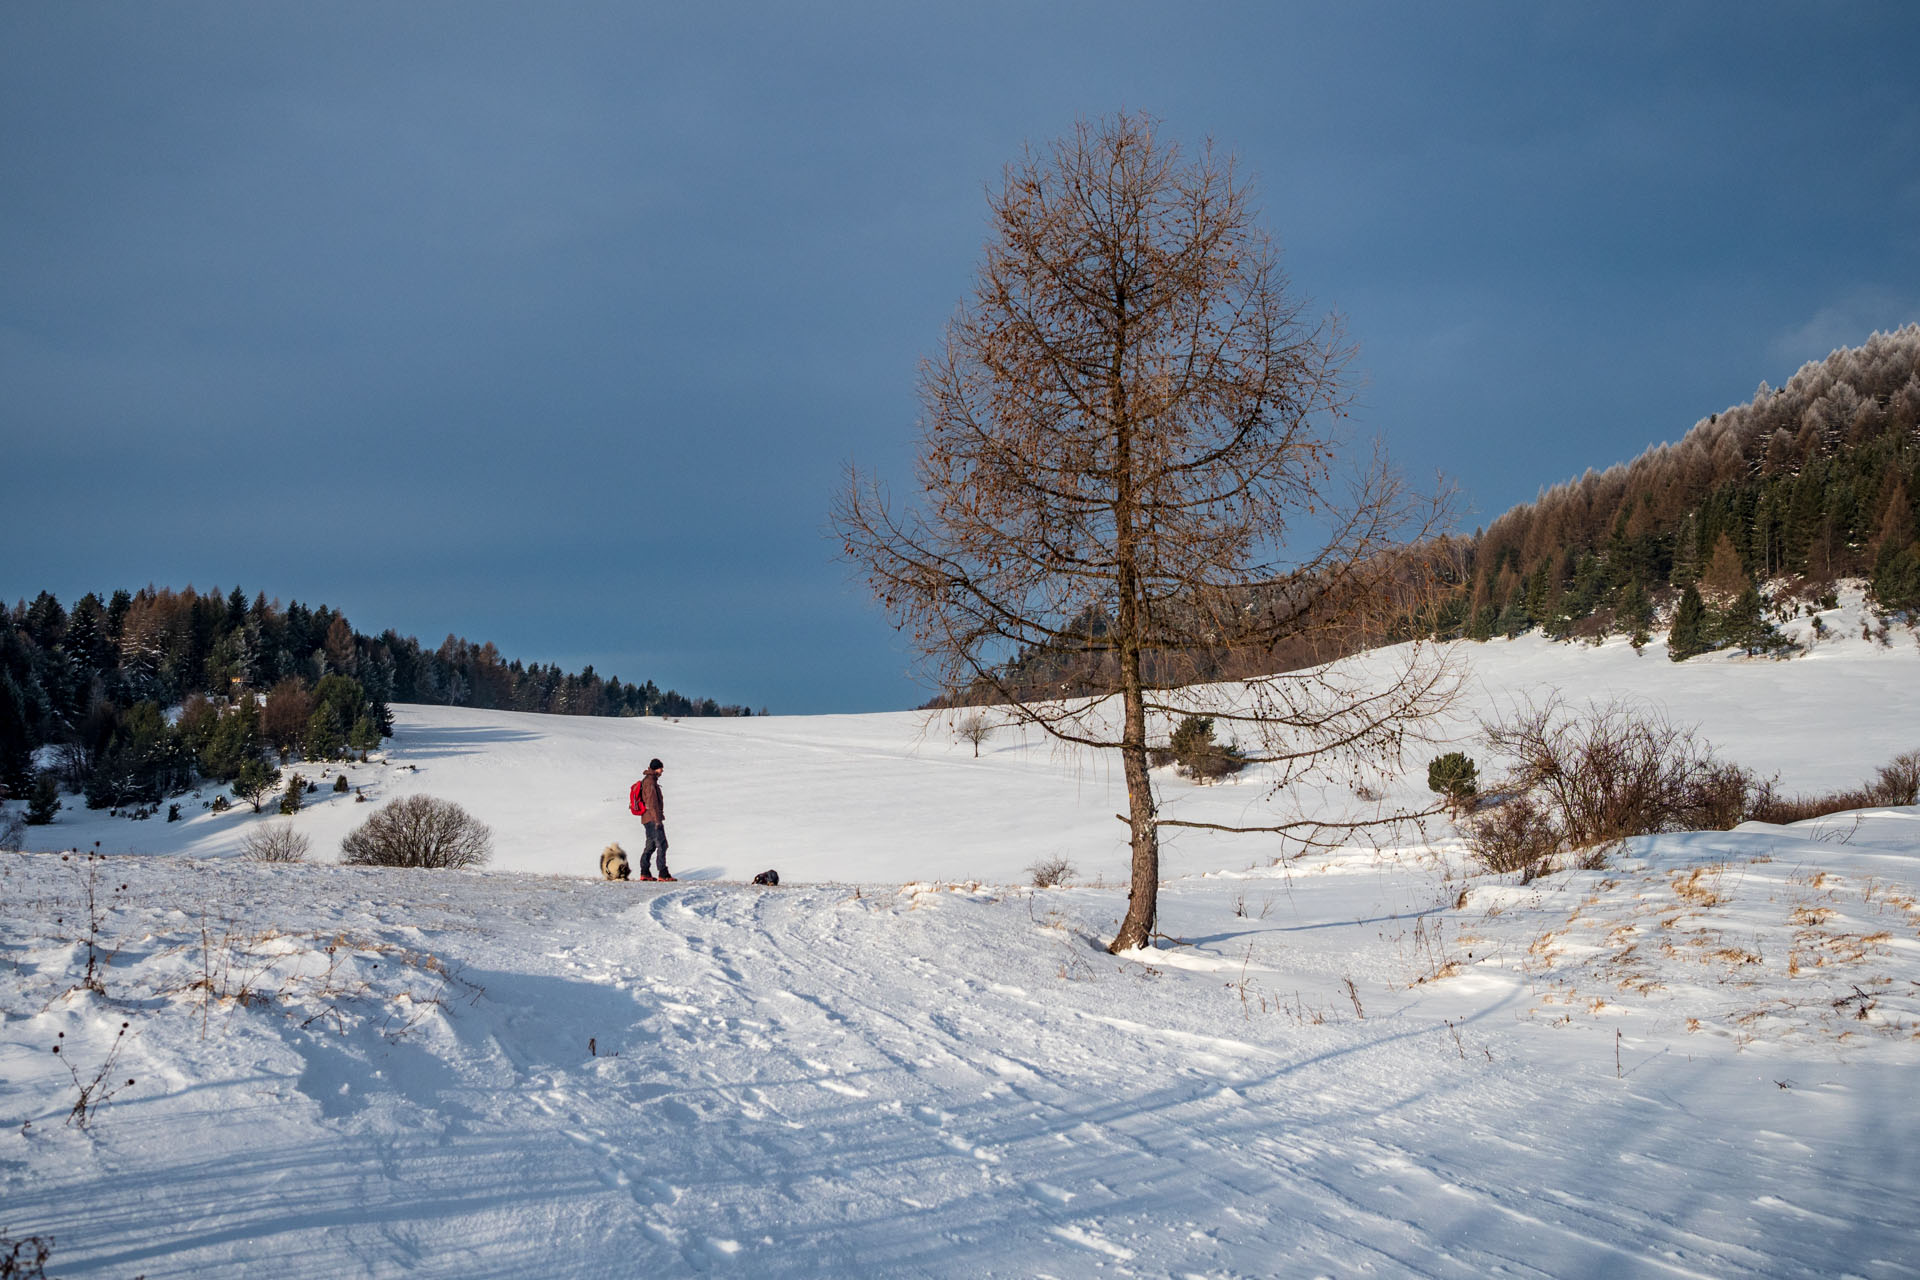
x=99 y=683
x=1801 y=486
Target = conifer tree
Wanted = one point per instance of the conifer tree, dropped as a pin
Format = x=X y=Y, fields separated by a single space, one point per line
x=1636 y=613
x=1686 y=553
x=324 y=740
x=1689 y=634
x=364 y=737
x=1724 y=579
x=234 y=741
x=43 y=801
x=1745 y=624
x=255 y=780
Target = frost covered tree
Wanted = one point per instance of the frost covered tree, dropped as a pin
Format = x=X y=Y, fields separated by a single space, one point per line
x=1133 y=478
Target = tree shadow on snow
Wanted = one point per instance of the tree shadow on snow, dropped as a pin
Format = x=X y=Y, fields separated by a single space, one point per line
x=453 y=740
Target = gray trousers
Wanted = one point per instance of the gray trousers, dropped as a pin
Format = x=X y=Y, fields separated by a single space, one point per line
x=656 y=840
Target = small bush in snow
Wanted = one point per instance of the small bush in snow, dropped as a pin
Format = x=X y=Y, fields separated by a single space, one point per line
x=1192 y=747
x=1051 y=873
x=1899 y=780
x=1514 y=835
x=340 y=784
x=13 y=830
x=1455 y=778
x=419 y=831
x=295 y=795
x=1590 y=778
x=275 y=842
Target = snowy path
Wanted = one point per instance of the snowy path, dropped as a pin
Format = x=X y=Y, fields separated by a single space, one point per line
x=841 y=1081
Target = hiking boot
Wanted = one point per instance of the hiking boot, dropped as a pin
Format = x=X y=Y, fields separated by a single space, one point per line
x=643 y=876
x=666 y=877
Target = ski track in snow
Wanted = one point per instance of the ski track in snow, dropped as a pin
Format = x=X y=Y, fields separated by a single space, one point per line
x=815 y=1082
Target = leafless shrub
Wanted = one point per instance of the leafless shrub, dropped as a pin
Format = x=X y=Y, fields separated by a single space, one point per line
x=94 y=905
x=1768 y=805
x=94 y=1093
x=276 y=842
x=1516 y=835
x=1720 y=797
x=1899 y=780
x=1897 y=783
x=419 y=831
x=1051 y=873
x=26 y=1258
x=1588 y=778
x=13 y=829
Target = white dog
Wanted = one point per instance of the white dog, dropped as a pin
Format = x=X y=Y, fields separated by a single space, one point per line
x=613 y=863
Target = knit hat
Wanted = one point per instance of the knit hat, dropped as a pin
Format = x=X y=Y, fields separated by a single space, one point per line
x=654 y=764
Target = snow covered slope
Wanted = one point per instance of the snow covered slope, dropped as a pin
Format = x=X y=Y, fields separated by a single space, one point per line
x=1697 y=1062
x=897 y=797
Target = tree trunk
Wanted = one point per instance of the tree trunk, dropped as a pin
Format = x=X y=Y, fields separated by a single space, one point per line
x=1143 y=897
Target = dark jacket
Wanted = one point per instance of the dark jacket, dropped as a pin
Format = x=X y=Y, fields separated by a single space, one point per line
x=650 y=796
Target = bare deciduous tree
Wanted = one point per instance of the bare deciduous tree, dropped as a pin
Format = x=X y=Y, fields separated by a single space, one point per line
x=1126 y=439
x=975 y=727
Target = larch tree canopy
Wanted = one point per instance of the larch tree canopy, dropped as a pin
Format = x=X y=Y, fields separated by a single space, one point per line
x=1134 y=502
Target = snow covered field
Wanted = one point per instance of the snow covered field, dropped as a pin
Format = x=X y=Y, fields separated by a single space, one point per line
x=1697 y=1062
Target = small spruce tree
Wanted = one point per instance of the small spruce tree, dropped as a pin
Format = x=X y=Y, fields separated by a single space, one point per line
x=1745 y=625
x=255 y=781
x=364 y=737
x=43 y=801
x=1636 y=614
x=324 y=739
x=1689 y=634
x=1455 y=778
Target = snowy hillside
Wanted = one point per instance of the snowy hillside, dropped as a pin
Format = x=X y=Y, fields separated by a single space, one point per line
x=1697 y=1062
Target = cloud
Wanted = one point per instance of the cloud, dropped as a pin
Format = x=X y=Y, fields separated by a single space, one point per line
x=1846 y=322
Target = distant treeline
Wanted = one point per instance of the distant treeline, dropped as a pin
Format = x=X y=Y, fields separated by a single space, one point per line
x=1812 y=482
x=75 y=679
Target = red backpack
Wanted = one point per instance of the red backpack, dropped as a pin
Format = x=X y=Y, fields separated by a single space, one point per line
x=635 y=804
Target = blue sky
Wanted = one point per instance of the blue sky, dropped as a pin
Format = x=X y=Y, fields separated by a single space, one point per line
x=556 y=324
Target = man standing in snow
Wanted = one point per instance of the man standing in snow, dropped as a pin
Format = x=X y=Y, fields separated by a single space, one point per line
x=654 y=818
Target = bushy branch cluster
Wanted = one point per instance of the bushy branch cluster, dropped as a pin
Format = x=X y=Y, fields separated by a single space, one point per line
x=419 y=831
